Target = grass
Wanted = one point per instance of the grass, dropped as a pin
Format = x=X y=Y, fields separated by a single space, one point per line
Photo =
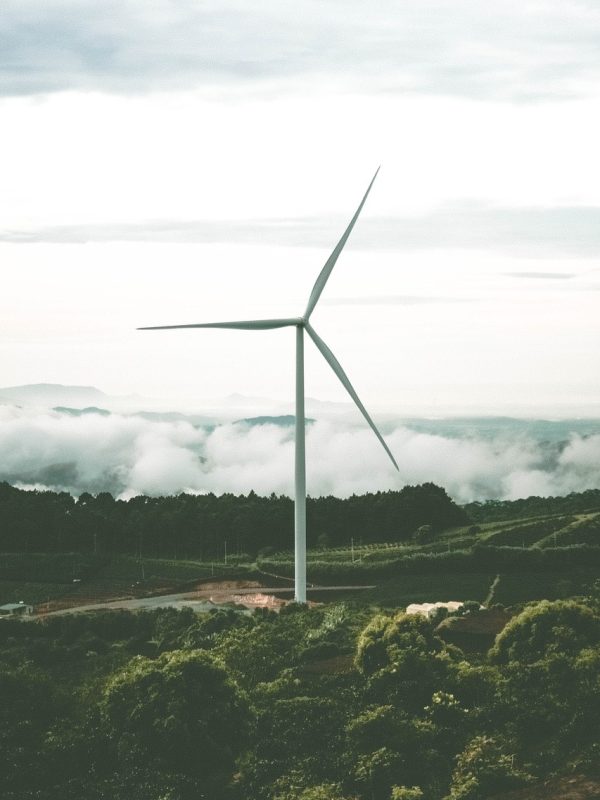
x=428 y=589
x=36 y=577
x=31 y=592
x=526 y=587
x=131 y=568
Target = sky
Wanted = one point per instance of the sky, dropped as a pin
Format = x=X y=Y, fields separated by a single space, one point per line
x=179 y=162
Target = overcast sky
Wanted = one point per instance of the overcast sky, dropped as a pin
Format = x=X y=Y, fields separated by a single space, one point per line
x=173 y=162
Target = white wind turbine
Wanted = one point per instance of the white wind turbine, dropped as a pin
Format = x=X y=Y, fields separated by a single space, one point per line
x=303 y=324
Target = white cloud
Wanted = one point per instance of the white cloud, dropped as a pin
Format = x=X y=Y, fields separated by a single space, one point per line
x=129 y=455
x=517 y=50
x=530 y=232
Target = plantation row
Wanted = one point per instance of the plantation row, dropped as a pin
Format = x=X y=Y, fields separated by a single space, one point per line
x=480 y=559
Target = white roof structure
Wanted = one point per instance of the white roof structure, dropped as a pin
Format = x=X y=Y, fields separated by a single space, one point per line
x=429 y=609
x=16 y=608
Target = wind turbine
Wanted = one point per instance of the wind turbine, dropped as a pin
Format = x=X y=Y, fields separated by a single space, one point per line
x=303 y=324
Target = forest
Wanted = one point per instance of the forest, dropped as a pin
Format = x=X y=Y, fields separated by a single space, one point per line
x=348 y=699
x=337 y=702
x=197 y=525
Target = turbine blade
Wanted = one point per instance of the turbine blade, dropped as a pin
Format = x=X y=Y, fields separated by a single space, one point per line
x=336 y=367
x=330 y=263
x=245 y=325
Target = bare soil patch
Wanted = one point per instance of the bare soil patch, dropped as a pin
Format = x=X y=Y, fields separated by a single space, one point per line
x=475 y=631
x=227 y=586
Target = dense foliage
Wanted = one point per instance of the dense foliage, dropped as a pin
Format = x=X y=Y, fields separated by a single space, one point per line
x=534 y=506
x=198 y=525
x=338 y=702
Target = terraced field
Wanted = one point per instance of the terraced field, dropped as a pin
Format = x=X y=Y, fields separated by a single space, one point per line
x=508 y=562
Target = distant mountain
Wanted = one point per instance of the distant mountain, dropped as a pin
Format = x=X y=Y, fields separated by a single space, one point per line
x=541 y=430
x=79 y=412
x=52 y=394
x=284 y=420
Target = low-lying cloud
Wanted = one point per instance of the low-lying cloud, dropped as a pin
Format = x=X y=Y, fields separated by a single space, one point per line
x=128 y=455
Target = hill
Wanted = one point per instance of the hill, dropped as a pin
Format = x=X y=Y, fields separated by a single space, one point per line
x=413 y=546
x=52 y=394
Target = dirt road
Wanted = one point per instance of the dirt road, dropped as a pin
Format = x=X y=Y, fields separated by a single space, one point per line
x=209 y=596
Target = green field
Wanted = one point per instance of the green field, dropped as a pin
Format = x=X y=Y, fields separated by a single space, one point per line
x=39 y=577
x=535 y=558
x=31 y=592
x=428 y=589
x=525 y=587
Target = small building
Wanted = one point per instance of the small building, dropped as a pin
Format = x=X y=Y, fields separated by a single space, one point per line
x=16 y=609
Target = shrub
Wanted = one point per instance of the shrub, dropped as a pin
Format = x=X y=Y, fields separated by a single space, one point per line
x=406 y=793
x=485 y=768
x=562 y=627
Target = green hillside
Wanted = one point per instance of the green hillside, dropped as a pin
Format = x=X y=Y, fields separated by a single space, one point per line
x=524 y=554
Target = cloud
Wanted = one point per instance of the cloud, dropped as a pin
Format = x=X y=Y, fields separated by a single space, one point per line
x=128 y=455
x=391 y=300
x=523 y=50
x=98 y=453
x=556 y=276
x=534 y=232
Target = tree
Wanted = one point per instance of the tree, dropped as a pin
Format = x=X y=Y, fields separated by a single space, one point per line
x=390 y=749
x=27 y=707
x=403 y=660
x=322 y=791
x=485 y=768
x=180 y=713
x=562 y=627
x=406 y=793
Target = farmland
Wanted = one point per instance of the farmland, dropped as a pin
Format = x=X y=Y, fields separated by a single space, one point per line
x=531 y=557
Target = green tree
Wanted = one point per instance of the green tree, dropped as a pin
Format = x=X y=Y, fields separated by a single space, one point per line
x=180 y=713
x=406 y=793
x=27 y=707
x=390 y=748
x=561 y=627
x=484 y=768
x=322 y=791
x=403 y=660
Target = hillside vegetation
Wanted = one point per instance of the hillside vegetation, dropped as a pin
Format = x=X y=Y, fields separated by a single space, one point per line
x=414 y=545
x=349 y=700
x=196 y=526
x=340 y=702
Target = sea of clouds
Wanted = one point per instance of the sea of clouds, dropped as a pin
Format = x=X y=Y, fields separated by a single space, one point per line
x=127 y=454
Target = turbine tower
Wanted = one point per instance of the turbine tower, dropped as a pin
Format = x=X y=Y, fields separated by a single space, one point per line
x=303 y=324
